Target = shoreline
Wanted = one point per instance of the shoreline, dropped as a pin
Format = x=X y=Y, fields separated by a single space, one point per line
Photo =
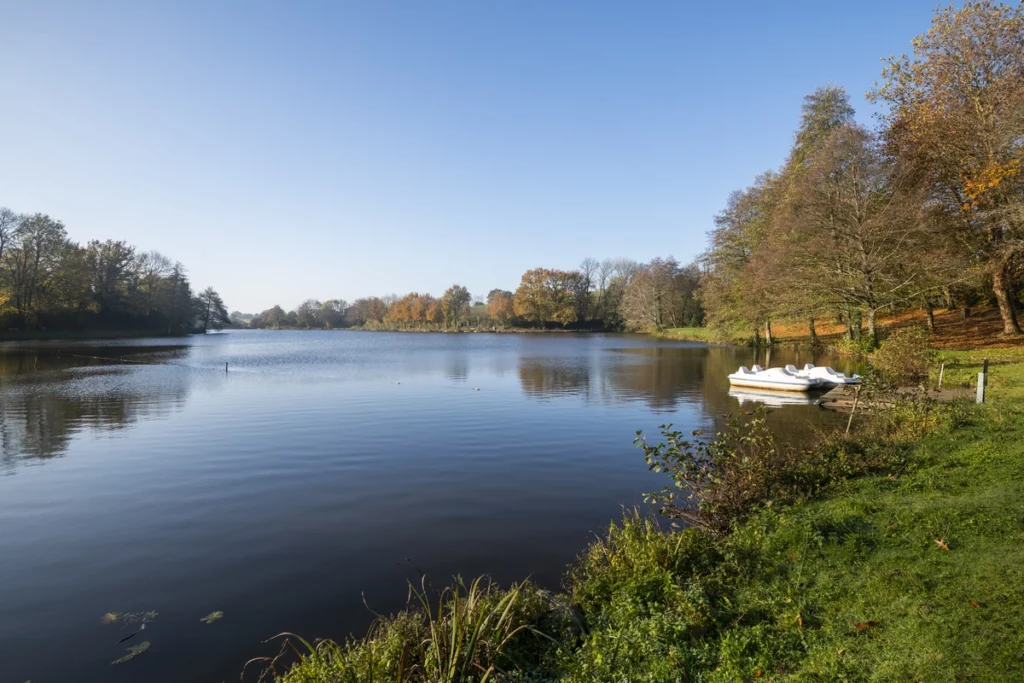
x=98 y=335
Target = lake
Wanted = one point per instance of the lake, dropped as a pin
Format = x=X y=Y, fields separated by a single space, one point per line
x=308 y=483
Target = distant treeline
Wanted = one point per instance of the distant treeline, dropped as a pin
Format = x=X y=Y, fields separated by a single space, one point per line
x=48 y=282
x=925 y=211
x=613 y=294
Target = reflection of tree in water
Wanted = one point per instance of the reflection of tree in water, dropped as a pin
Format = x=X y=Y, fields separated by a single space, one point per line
x=659 y=376
x=40 y=409
x=544 y=377
x=456 y=366
x=664 y=377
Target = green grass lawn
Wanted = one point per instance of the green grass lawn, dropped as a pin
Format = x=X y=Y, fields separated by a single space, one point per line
x=867 y=566
x=684 y=333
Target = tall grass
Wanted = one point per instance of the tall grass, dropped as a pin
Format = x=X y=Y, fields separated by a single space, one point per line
x=460 y=634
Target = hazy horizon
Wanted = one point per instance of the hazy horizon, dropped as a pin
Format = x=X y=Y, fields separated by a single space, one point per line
x=283 y=152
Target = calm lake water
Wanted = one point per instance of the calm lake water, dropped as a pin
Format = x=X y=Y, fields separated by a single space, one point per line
x=323 y=469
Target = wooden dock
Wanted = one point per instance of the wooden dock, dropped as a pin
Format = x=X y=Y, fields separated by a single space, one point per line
x=843 y=397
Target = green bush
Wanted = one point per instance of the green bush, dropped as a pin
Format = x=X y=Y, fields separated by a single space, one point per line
x=715 y=483
x=904 y=357
x=861 y=346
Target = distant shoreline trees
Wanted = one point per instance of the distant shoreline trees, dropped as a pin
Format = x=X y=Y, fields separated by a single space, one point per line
x=615 y=294
x=48 y=282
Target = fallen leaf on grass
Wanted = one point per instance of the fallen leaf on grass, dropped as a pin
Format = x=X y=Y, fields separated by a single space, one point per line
x=133 y=652
x=974 y=603
x=864 y=626
x=212 y=617
x=942 y=544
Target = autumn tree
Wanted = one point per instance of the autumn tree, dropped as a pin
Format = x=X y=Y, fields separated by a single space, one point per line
x=855 y=240
x=545 y=296
x=368 y=310
x=453 y=304
x=955 y=122
x=501 y=306
x=736 y=292
x=662 y=294
x=419 y=307
x=435 y=312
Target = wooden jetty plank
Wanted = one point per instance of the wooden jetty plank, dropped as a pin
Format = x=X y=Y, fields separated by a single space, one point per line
x=842 y=397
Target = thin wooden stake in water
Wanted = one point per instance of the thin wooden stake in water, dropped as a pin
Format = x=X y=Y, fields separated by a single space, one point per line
x=856 y=398
x=942 y=369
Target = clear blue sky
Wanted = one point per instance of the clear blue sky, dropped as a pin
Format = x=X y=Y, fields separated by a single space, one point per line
x=341 y=149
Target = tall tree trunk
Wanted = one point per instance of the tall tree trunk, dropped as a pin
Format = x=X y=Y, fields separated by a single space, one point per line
x=872 y=328
x=947 y=294
x=930 y=313
x=852 y=325
x=812 y=331
x=768 y=331
x=1001 y=288
x=757 y=337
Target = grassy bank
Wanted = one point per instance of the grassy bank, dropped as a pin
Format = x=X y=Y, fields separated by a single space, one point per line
x=695 y=334
x=896 y=553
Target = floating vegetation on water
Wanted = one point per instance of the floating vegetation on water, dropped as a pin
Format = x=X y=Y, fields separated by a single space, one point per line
x=128 y=617
x=133 y=633
x=133 y=652
x=212 y=617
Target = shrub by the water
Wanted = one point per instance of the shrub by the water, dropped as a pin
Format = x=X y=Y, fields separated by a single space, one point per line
x=904 y=357
x=716 y=484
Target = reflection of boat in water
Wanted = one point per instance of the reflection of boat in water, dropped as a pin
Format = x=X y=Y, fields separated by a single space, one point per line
x=773 y=399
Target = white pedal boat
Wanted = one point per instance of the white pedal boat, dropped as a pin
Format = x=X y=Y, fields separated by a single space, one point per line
x=825 y=374
x=779 y=379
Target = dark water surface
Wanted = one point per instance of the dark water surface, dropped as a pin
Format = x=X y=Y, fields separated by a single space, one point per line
x=324 y=466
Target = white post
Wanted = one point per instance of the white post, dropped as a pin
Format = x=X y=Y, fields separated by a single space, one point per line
x=942 y=368
x=981 y=387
